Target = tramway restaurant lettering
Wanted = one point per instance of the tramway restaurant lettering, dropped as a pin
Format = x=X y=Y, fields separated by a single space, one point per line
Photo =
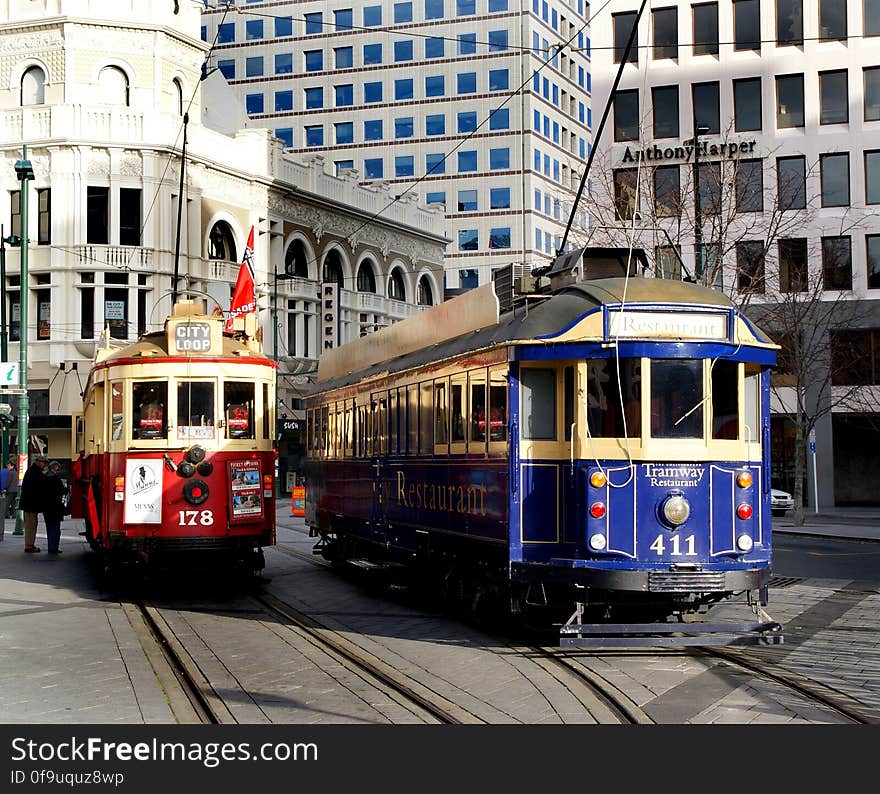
x=655 y=153
x=661 y=476
x=681 y=326
x=470 y=499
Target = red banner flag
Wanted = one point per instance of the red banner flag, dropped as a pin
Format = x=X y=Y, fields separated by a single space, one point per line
x=244 y=299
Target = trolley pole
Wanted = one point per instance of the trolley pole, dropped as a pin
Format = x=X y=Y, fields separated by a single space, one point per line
x=25 y=173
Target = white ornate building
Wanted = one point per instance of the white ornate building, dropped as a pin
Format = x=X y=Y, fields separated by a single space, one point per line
x=98 y=91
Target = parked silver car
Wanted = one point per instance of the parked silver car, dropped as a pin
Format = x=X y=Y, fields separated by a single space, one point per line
x=780 y=501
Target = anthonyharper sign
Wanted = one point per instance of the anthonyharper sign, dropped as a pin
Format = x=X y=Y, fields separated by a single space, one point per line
x=685 y=152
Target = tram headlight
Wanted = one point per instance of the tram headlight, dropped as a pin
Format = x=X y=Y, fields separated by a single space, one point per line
x=744 y=543
x=597 y=542
x=195 y=454
x=205 y=468
x=185 y=469
x=196 y=492
x=676 y=510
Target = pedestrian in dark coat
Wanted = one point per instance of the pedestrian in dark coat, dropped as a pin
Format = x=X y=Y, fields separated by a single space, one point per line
x=54 y=505
x=31 y=500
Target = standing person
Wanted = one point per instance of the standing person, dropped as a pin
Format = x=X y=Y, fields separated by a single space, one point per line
x=9 y=485
x=31 y=500
x=53 y=510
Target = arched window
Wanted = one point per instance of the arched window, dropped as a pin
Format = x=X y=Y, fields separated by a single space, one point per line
x=296 y=263
x=178 y=94
x=221 y=243
x=425 y=293
x=33 y=85
x=366 y=281
x=396 y=287
x=113 y=86
x=333 y=269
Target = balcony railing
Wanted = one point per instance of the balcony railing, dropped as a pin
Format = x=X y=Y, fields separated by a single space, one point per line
x=117 y=256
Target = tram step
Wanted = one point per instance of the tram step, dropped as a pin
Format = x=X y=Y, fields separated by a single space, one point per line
x=369 y=565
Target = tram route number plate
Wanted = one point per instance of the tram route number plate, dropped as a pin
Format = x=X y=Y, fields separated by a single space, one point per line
x=192 y=338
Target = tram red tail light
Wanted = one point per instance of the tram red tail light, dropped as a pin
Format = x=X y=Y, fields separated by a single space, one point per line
x=119 y=488
x=744 y=511
x=267 y=482
x=597 y=509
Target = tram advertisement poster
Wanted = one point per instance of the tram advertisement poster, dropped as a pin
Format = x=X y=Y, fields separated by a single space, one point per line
x=245 y=478
x=143 y=490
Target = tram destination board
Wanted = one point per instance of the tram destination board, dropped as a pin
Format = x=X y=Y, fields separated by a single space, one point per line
x=192 y=338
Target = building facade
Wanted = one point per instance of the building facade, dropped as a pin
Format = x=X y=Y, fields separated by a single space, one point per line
x=769 y=111
x=103 y=94
x=479 y=106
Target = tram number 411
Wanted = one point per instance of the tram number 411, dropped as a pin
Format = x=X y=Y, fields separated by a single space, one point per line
x=675 y=542
x=194 y=518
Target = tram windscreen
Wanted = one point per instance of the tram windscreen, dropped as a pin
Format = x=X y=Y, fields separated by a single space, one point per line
x=614 y=398
x=676 y=398
x=238 y=405
x=195 y=409
x=150 y=415
x=538 y=404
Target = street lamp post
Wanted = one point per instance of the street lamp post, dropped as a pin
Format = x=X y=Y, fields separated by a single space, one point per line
x=25 y=173
x=12 y=240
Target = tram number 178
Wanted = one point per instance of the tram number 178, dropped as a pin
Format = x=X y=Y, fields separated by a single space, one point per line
x=192 y=518
x=676 y=542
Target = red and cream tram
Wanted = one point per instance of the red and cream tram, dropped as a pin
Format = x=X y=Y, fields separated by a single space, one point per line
x=175 y=445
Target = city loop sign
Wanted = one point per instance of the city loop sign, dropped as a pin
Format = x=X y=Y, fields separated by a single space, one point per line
x=686 y=151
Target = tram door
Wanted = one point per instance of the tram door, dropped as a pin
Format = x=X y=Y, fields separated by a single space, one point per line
x=381 y=484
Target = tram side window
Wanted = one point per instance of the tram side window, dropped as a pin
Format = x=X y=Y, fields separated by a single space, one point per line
x=195 y=409
x=323 y=440
x=426 y=418
x=441 y=421
x=149 y=400
x=267 y=413
x=614 y=405
x=725 y=400
x=752 y=399
x=412 y=417
x=539 y=404
x=676 y=398
x=310 y=430
x=238 y=405
x=394 y=419
x=568 y=401
x=478 y=412
x=456 y=394
x=497 y=407
x=117 y=416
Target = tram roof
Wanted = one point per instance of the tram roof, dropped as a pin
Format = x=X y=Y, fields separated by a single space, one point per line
x=532 y=323
x=155 y=343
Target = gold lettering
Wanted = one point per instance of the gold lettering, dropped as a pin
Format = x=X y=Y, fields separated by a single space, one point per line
x=401 y=486
x=460 y=499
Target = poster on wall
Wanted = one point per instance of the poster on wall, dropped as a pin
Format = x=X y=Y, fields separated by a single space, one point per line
x=143 y=491
x=244 y=484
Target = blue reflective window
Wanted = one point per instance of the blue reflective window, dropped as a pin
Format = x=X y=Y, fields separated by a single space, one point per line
x=536 y=121
x=314 y=97
x=467 y=161
x=342 y=165
x=314 y=60
x=555 y=132
x=204 y=32
x=314 y=23
x=403 y=50
x=497 y=5
x=315 y=135
x=499 y=198
x=499 y=158
x=465 y=7
x=254 y=103
x=434 y=9
x=372 y=92
x=469 y=278
x=467 y=121
x=284 y=63
x=403 y=127
x=283 y=26
x=538 y=239
x=555 y=94
x=253 y=67
x=283 y=100
x=253 y=29
x=344 y=95
x=467 y=201
x=499 y=119
x=435 y=163
x=227 y=68
x=468 y=240
x=343 y=19
x=373 y=130
x=372 y=16
x=538 y=200
x=467 y=43
x=403 y=12
x=344 y=57
x=546 y=126
x=404 y=165
x=467 y=83
x=434 y=47
x=285 y=135
x=344 y=131
x=226 y=33
x=435 y=124
x=499 y=237
x=436 y=197
x=435 y=85
x=403 y=89
x=372 y=54
x=538 y=160
x=497 y=40
x=373 y=168
x=499 y=79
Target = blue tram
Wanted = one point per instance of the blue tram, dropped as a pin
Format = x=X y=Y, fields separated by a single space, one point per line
x=604 y=448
